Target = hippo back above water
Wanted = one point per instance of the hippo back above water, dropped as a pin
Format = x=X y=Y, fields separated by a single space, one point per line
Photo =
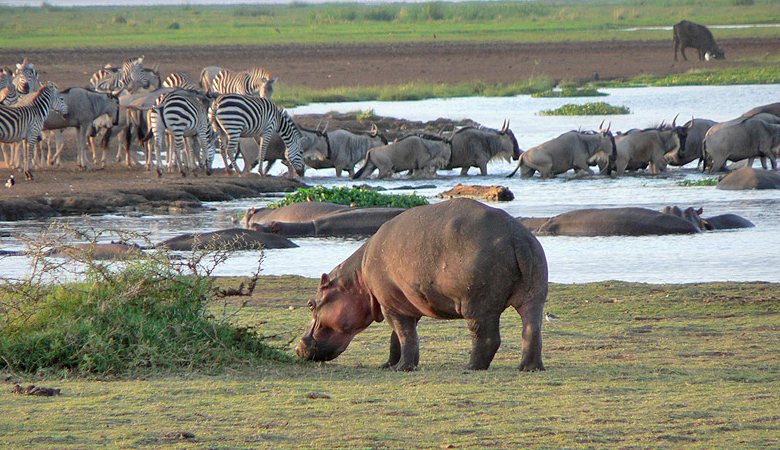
x=458 y=259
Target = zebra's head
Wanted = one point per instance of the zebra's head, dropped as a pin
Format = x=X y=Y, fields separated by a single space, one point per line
x=132 y=76
x=26 y=78
x=267 y=87
x=56 y=102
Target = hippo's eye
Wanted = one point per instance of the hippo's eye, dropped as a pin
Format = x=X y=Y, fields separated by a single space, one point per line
x=311 y=305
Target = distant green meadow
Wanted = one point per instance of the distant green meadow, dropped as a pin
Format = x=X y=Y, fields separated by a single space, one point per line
x=303 y=23
x=50 y=26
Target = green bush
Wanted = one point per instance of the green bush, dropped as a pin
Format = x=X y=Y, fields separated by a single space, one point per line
x=587 y=109
x=350 y=196
x=149 y=313
x=703 y=182
x=570 y=92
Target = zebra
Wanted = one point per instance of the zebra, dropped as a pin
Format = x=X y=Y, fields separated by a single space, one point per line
x=132 y=77
x=235 y=116
x=8 y=93
x=24 y=123
x=180 y=80
x=255 y=81
x=26 y=78
x=183 y=114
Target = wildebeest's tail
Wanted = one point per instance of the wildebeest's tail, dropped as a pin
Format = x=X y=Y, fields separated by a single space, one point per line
x=519 y=164
x=367 y=168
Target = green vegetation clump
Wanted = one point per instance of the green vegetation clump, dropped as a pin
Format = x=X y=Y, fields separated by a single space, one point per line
x=350 y=196
x=149 y=314
x=587 y=109
x=570 y=92
x=703 y=182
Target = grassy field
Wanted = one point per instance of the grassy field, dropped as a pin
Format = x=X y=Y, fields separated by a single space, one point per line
x=300 y=22
x=628 y=366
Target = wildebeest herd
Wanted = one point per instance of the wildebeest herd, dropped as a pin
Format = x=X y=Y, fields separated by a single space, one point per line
x=233 y=111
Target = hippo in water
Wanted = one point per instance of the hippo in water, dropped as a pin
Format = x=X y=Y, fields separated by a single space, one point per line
x=458 y=259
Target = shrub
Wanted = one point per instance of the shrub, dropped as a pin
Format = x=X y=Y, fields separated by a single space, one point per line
x=150 y=312
x=350 y=196
x=703 y=182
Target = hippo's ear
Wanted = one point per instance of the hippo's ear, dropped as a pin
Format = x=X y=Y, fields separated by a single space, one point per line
x=700 y=211
x=324 y=280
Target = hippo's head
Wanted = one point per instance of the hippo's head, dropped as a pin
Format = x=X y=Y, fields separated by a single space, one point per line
x=340 y=312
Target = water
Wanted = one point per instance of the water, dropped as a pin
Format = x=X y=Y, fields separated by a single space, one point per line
x=738 y=255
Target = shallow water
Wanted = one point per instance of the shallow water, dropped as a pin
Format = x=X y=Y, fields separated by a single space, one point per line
x=739 y=255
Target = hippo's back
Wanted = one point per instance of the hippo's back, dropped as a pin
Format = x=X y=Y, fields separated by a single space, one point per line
x=453 y=258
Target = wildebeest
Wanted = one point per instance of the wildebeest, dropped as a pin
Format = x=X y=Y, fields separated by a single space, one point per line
x=688 y=34
x=742 y=139
x=692 y=148
x=343 y=150
x=422 y=156
x=639 y=148
x=250 y=150
x=476 y=146
x=572 y=150
x=84 y=107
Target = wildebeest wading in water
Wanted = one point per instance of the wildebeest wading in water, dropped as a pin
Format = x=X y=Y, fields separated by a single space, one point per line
x=689 y=34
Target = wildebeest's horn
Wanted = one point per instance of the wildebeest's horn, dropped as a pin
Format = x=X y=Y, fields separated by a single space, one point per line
x=674 y=121
x=601 y=125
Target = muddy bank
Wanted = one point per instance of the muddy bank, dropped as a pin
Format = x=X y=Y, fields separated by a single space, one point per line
x=102 y=195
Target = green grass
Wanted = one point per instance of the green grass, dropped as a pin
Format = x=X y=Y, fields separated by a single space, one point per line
x=534 y=21
x=702 y=182
x=571 y=92
x=586 y=109
x=629 y=365
x=289 y=96
x=350 y=196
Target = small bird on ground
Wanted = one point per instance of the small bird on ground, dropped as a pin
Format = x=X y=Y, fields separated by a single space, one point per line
x=550 y=317
x=10 y=182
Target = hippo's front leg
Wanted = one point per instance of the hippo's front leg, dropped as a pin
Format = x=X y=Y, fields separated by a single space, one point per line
x=405 y=341
x=395 y=351
x=485 y=340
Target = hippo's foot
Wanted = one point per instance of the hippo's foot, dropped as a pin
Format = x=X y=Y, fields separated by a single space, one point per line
x=530 y=366
x=400 y=367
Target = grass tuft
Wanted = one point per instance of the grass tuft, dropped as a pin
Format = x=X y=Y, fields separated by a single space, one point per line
x=587 y=109
x=350 y=196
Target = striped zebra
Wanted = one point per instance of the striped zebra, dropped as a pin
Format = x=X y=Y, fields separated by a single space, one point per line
x=182 y=114
x=255 y=81
x=235 y=116
x=180 y=80
x=8 y=93
x=24 y=123
x=26 y=78
x=132 y=77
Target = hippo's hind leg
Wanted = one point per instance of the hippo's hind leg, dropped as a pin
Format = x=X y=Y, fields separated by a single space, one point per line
x=485 y=340
x=531 y=313
x=404 y=343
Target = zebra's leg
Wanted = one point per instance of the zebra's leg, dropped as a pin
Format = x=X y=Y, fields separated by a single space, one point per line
x=230 y=148
x=265 y=139
x=29 y=150
x=178 y=149
x=7 y=155
x=55 y=160
x=159 y=132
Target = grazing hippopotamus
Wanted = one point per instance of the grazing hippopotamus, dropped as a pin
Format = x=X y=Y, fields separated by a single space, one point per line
x=233 y=238
x=349 y=222
x=458 y=259
x=749 y=178
x=296 y=212
x=620 y=221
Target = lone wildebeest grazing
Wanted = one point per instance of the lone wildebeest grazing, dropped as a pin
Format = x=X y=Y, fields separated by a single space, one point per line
x=689 y=34
x=458 y=259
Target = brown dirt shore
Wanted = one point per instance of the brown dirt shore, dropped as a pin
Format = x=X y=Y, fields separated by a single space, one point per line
x=324 y=66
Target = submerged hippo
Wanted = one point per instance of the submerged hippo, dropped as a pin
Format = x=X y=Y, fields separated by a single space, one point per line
x=232 y=238
x=747 y=178
x=621 y=222
x=458 y=259
x=296 y=212
x=347 y=222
